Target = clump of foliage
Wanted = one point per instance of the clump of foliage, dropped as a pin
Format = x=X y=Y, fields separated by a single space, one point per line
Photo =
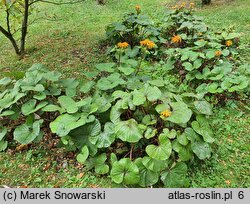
x=207 y=61
x=139 y=118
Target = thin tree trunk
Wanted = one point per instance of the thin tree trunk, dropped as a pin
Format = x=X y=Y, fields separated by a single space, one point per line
x=12 y=40
x=24 y=26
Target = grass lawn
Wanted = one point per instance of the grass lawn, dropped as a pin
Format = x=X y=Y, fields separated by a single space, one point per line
x=69 y=42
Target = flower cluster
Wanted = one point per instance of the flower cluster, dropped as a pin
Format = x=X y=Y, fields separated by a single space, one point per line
x=229 y=43
x=122 y=45
x=147 y=43
x=176 y=39
x=166 y=113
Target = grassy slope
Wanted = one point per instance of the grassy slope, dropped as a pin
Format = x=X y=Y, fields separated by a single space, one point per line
x=75 y=50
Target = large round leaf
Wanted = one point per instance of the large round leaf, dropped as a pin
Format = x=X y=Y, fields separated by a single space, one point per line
x=105 y=138
x=128 y=131
x=201 y=149
x=203 y=107
x=30 y=106
x=147 y=177
x=184 y=152
x=154 y=165
x=175 y=177
x=180 y=114
x=125 y=171
x=161 y=152
x=25 y=134
x=202 y=127
x=138 y=98
x=68 y=104
x=80 y=136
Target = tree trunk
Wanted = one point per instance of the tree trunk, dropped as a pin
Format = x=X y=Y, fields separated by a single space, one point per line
x=24 y=26
x=12 y=40
x=101 y=2
x=206 y=2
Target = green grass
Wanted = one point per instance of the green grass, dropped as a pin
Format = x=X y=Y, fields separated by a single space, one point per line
x=71 y=44
x=39 y=167
x=229 y=164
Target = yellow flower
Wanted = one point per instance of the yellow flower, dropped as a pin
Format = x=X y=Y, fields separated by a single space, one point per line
x=176 y=39
x=138 y=8
x=192 y=5
x=229 y=43
x=147 y=43
x=122 y=45
x=217 y=53
x=166 y=113
x=183 y=4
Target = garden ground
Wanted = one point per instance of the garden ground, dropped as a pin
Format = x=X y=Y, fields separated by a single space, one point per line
x=68 y=41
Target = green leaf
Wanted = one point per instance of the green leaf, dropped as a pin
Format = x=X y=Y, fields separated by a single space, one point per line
x=138 y=98
x=40 y=96
x=105 y=138
x=203 y=107
x=105 y=67
x=51 y=108
x=37 y=88
x=210 y=54
x=86 y=86
x=3 y=132
x=188 y=66
x=182 y=139
x=202 y=127
x=157 y=82
x=201 y=149
x=191 y=134
x=128 y=131
x=180 y=114
x=176 y=176
x=3 y=145
x=63 y=124
x=125 y=171
x=152 y=93
x=110 y=82
x=161 y=152
x=70 y=85
x=154 y=165
x=25 y=134
x=126 y=70
x=184 y=152
x=30 y=106
x=83 y=155
x=80 y=136
x=149 y=120
x=68 y=104
x=147 y=177
x=150 y=132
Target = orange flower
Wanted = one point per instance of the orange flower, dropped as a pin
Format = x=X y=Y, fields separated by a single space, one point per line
x=138 y=8
x=217 y=53
x=166 y=113
x=122 y=45
x=147 y=43
x=176 y=39
x=229 y=43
